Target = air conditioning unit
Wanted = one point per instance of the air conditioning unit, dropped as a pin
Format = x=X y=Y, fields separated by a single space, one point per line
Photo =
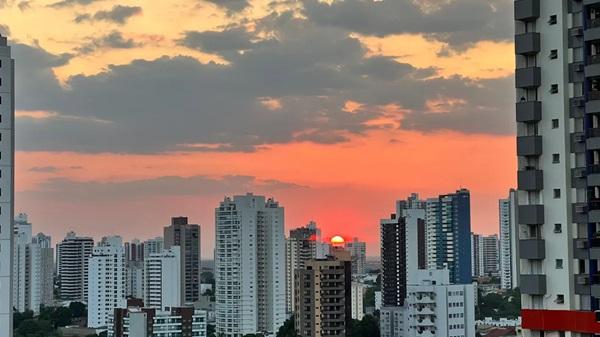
x=580 y=138
x=580 y=174
x=576 y=32
x=581 y=244
x=583 y=280
x=578 y=67
x=580 y=209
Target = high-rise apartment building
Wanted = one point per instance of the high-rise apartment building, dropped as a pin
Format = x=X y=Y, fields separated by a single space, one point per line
x=33 y=268
x=73 y=255
x=106 y=281
x=134 y=250
x=508 y=241
x=358 y=250
x=301 y=247
x=153 y=246
x=249 y=266
x=476 y=256
x=417 y=301
x=558 y=148
x=187 y=236
x=489 y=253
x=162 y=279
x=134 y=278
x=323 y=304
x=449 y=235
x=7 y=149
x=357 y=298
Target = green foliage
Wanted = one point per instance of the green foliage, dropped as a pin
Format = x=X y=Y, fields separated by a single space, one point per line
x=210 y=330
x=369 y=298
x=19 y=317
x=59 y=316
x=78 y=309
x=287 y=329
x=36 y=328
x=507 y=305
x=368 y=326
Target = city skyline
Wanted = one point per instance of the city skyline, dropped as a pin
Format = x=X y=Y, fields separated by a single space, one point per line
x=440 y=123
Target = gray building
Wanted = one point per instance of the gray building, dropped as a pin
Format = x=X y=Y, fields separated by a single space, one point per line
x=73 y=255
x=187 y=236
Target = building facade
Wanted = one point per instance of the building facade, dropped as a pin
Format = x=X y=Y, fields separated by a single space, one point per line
x=300 y=248
x=489 y=253
x=7 y=112
x=106 y=280
x=187 y=236
x=323 y=304
x=162 y=279
x=138 y=321
x=249 y=266
x=557 y=111
x=356 y=295
x=508 y=241
x=476 y=256
x=73 y=255
x=153 y=246
x=358 y=250
x=449 y=235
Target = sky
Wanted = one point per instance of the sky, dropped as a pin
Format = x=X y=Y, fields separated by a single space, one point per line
x=130 y=112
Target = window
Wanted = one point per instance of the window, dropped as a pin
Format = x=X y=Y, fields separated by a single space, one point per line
x=554 y=54
x=557 y=228
x=553 y=20
x=555 y=158
x=560 y=299
x=559 y=264
x=554 y=89
x=557 y=193
x=555 y=123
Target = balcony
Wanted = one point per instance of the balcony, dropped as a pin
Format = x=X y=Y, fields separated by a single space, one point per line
x=529 y=112
x=594 y=211
x=582 y=284
x=590 y=2
x=579 y=213
x=593 y=175
x=580 y=249
x=591 y=34
x=593 y=67
x=527 y=44
x=532 y=249
x=528 y=78
x=533 y=284
x=531 y=214
x=576 y=105
x=579 y=177
x=593 y=139
x=527 y=10
x=529 y=146
x=530 y=179
x=593 y=23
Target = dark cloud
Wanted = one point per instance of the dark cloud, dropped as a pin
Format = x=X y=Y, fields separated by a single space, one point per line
x=44 y=169
x=459 y=23
x=68 y=3
x=308 y=71
x=232 y=6
x=69 y=190
x=118 y=14
x=24 y=5
x=114 y=40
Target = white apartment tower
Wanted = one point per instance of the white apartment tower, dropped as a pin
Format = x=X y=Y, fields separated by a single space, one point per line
x=358 y=251
x=106 y=281
x=33 y=268
x=357 y=292
x=7 y=112
x=73 y=255
x=153 y=246
x=557 y=47
x=508 y=241
x=250 y=269
x=162 y=279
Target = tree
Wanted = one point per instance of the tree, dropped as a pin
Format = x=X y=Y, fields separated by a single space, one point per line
x=19 y=317
x=368 y=326
x=58 y=316
x=287 y=329
x=369 y=298
x=210 y=330
x=78 y=309
x=36 y=328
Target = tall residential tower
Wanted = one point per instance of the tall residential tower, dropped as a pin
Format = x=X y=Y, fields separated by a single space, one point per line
x=557 y=46
x=7 y=150
x=508 y=241
x=249 y=266
x=187 y=236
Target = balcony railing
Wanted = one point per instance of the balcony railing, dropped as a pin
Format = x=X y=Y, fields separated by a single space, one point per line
x=594 y=23
x=595 y=132
x=593 y=169
x=594 y=95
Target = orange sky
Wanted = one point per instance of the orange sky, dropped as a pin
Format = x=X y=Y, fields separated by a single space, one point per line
x=346 y=186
